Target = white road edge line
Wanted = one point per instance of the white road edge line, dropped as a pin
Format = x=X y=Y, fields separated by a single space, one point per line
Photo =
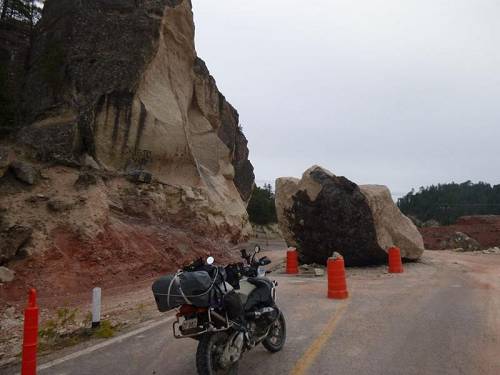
x=102 y=344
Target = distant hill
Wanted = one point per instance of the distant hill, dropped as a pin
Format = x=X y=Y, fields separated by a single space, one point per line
x=447 y=202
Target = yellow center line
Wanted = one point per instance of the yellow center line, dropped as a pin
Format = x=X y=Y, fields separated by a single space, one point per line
x=315 y=348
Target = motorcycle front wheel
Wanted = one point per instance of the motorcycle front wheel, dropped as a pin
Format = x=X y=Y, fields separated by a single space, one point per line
x=210 y=349
x=276 y=338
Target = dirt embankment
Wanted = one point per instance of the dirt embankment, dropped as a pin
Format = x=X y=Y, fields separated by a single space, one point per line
x=107 y=232
x=110 y=233
x=484 y=229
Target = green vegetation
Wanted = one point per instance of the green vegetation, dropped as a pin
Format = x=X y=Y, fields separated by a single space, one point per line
x=261 y=208
x=64 y=318
x=54 y=332
x=447 y=202
x=105 y=330
x=64 y=330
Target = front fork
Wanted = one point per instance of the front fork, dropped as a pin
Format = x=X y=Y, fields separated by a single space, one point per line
x=273 y=291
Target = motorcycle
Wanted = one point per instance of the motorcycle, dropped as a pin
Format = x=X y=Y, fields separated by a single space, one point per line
x=229 y=310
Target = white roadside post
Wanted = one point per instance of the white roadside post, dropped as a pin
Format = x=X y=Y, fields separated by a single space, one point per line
x=96 y=307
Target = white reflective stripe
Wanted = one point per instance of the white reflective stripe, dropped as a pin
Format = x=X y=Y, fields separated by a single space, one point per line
x=96 y=305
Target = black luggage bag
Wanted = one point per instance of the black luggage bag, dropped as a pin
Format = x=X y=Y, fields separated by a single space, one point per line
x=194 y=288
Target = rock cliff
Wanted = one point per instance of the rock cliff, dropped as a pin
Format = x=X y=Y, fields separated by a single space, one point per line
x=124 y=133
x=120 y=81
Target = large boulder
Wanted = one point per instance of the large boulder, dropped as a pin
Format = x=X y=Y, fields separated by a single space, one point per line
x=322 y=213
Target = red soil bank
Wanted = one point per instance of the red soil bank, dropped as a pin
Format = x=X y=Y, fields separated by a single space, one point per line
x=484 y=229
x=125 y=253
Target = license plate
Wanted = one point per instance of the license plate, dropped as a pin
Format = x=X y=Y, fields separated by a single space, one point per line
x=189 y=324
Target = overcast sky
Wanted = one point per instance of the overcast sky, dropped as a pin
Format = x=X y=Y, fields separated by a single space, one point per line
x=403 y=93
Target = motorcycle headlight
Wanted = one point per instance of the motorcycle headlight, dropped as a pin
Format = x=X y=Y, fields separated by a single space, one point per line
x=261 y=271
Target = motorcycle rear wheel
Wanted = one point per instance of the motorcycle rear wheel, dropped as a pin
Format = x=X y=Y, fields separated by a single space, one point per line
x=209 y=350
x=276 y=338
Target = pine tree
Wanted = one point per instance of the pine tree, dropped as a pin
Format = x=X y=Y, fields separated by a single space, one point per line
x=447 y=202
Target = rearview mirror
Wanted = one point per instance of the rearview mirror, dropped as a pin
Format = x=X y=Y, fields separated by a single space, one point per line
x=257 y=249
x=210 y=261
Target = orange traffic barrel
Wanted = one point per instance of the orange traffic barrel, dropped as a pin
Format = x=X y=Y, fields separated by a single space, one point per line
x=337 y=285
x=395 y=263
x=292 y=261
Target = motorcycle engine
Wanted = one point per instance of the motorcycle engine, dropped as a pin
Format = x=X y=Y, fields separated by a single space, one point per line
x=258 y=328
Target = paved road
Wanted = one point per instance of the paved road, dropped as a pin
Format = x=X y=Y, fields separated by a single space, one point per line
x=439 y=317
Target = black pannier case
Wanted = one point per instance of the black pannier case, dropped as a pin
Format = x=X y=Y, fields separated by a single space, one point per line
x=196 y=287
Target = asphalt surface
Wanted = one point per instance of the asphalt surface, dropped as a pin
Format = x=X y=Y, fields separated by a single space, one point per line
x=439 y=317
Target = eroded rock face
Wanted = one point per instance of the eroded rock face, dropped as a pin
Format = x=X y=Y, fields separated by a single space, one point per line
x=130 y=162
x=113 y=233
x=323 y=213
x=120 y=82
x=14 y=50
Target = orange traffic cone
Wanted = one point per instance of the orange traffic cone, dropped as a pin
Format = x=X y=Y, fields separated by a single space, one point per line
x=292 y=261
x=30 y=339
x=337 y=285
x=395 y=263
